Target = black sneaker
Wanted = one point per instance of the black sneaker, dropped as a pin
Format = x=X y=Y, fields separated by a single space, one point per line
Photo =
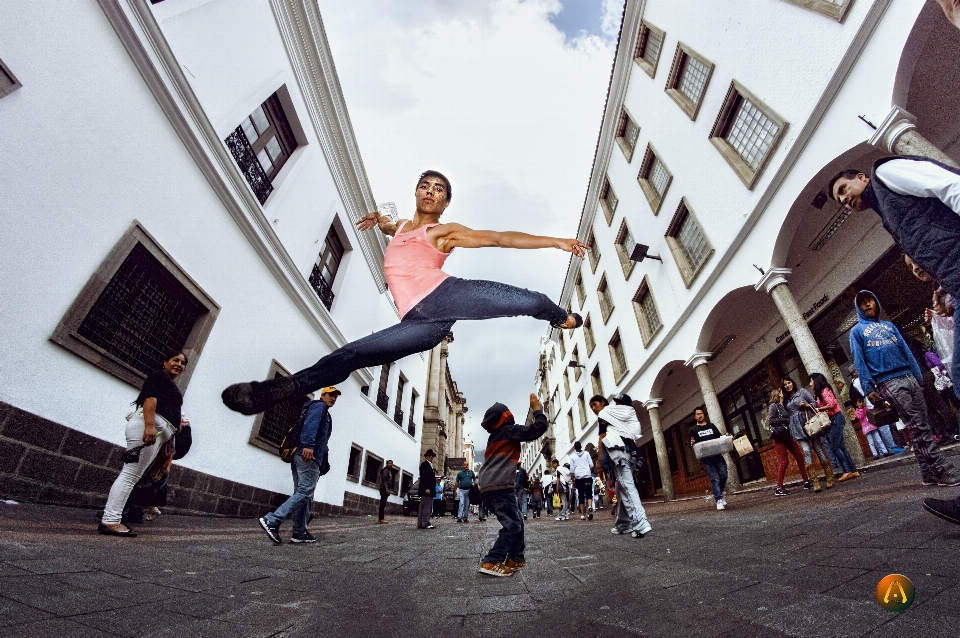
x=258 y=396
x=948 y=478
x=780 y=492
x=306 y=537
x=947 y=510
x=807 y=485
x=273 y=531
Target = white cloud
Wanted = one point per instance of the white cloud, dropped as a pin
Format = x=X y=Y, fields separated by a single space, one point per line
x=490 y=94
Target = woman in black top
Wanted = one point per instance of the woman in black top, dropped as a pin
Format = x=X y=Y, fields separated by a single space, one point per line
x=153 y=424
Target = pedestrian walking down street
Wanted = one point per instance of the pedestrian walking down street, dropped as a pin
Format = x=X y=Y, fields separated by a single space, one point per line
x=799 y=404
x=465 y=479
x=426 y=489
x=307 y=467
x=428 y=300
x=155 y=421
x=385 y=484
x=877 y=447
x=581 y=467
x=536 y=497
x=778 y=423
x=715 y=466
x=562 y=488
x=521 y=488
x=827 y=402
x=619 y=430
x=498 y=482
x=439 y=506
x=888 y=369
x=547 y=483
x=918 y=201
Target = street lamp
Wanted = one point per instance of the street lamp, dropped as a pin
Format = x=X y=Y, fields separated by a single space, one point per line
x=641 y=252
x=574 y=364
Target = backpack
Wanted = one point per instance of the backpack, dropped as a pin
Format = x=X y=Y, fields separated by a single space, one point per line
x=291 y=440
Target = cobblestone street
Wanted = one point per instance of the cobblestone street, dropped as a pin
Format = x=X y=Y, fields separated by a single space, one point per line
x=805 y=565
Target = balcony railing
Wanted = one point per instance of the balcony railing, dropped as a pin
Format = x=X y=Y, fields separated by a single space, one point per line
x=411 y=427
x=398 y=417
x=248 y=164
x=319 y=285
x=382 y=400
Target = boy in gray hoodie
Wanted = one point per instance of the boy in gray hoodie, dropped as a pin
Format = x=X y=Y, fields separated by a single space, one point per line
x=497 y=480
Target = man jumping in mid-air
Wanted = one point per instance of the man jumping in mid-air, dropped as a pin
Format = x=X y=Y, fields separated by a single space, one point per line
x=429 y=300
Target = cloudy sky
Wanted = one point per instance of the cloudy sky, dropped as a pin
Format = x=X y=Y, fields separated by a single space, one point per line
x=505 y=97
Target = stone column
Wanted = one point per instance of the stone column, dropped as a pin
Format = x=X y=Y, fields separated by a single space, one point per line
x=699 y=364
x=653 y=409
x=775 y=283
x=898 y=134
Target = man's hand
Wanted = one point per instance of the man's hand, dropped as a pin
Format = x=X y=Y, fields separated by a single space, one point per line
x=368 y=221
x=535 y=403
x=574 y=246
x=307 y=454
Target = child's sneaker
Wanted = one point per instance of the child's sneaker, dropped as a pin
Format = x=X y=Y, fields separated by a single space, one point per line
x=495 y=569
x=514 y=566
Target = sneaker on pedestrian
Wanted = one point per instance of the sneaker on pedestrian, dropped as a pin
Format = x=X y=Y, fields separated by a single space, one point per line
x=582 y=517
x=948 y=479
x=720 y=505
x=430 y=527
x=948 y=510
x=306 y=537
x=382 y=521
x=617 y=530
x=273 y=531
x=781 y=492
x=590 y=516
x=807 y=485
x=513 y=565
x=495 y=569
x=640 y=533
x=723 y=501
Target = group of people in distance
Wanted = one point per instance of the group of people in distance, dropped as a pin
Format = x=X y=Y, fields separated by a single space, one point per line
x=918 y=201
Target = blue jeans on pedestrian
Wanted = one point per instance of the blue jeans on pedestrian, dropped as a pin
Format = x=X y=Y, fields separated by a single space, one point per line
x=836 y=446
x=422 y=328
x=464 y=510
x=887 y=437
x=716 y=469
x=297 y=507
x=522 y=501
x=509 y=543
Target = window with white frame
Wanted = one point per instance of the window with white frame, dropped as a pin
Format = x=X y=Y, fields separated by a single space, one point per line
x=618 y=358
x=654 y=178
x=606 y=299
x=588 y=335
x=746 y=133
x=688 y=243
x=688 y=79
x=649 y=44
x=648 y=317
x=595 y=381
x=608 y=201
x=836 y=9
x=594 y=252
x=627 y=134
x=625 y=245
x=581 y=292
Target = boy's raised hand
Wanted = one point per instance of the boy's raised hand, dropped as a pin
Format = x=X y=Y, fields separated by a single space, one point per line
x=535 y=403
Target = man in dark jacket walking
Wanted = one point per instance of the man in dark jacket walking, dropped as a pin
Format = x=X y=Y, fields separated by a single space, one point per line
x=425 y=490
x=307 y=467
x=918 y=200
x=385 y=484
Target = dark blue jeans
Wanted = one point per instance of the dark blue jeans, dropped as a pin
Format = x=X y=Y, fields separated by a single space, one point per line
x=297 y=507
x=509 y=543
x=716 y=469
x=836 y=446
x=425 y=326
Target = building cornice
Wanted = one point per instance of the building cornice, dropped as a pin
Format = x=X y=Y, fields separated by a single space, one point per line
x=141 y=35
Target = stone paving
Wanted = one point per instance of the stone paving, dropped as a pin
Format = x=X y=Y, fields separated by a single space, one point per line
x=804 y=565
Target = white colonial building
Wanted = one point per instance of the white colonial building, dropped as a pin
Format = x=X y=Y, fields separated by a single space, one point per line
x=183 y=174
x=718 y=265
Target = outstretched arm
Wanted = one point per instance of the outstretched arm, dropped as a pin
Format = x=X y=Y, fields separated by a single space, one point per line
x=450 y=236
x=384 y=223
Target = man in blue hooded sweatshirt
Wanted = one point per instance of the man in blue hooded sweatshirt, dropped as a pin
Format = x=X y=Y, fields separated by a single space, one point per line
x=887 y=368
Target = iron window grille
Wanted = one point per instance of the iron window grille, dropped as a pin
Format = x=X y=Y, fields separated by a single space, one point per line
x=595 y=381
x=383 y=399
x=649 y=44
x=608 y=201
x=746 y=133
x=625 y=245
x=354 y=463
x=688 y=243
x=398 y=410
x=581 y=292
x=261 y=145
x=654 y=179
x=689 y=76
x=271 y=426
x=136 y=309
x=617 y=357
x=398 y=416
x=648 y=317
x=588 y=337
x=372 y=467
x=411 y=427
x=594 y=252
x=627 y=134
x=582 y=404
x=606 y=299
x=325 y=271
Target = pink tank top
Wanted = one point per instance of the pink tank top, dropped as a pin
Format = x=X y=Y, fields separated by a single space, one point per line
x=413 y=267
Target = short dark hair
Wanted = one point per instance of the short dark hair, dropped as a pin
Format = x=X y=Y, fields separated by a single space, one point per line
x=438 y=174
x=577 y=445
x=389 y=460
x=555 y=461
x=695 y=410
x=847 y=173
x=178 y=353
x=598 y=398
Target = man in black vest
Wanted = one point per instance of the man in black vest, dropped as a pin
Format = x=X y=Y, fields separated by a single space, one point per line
x=425 y=490
x=918 y=200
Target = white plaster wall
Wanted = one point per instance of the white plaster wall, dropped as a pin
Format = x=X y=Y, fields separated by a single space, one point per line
x=87 y=150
